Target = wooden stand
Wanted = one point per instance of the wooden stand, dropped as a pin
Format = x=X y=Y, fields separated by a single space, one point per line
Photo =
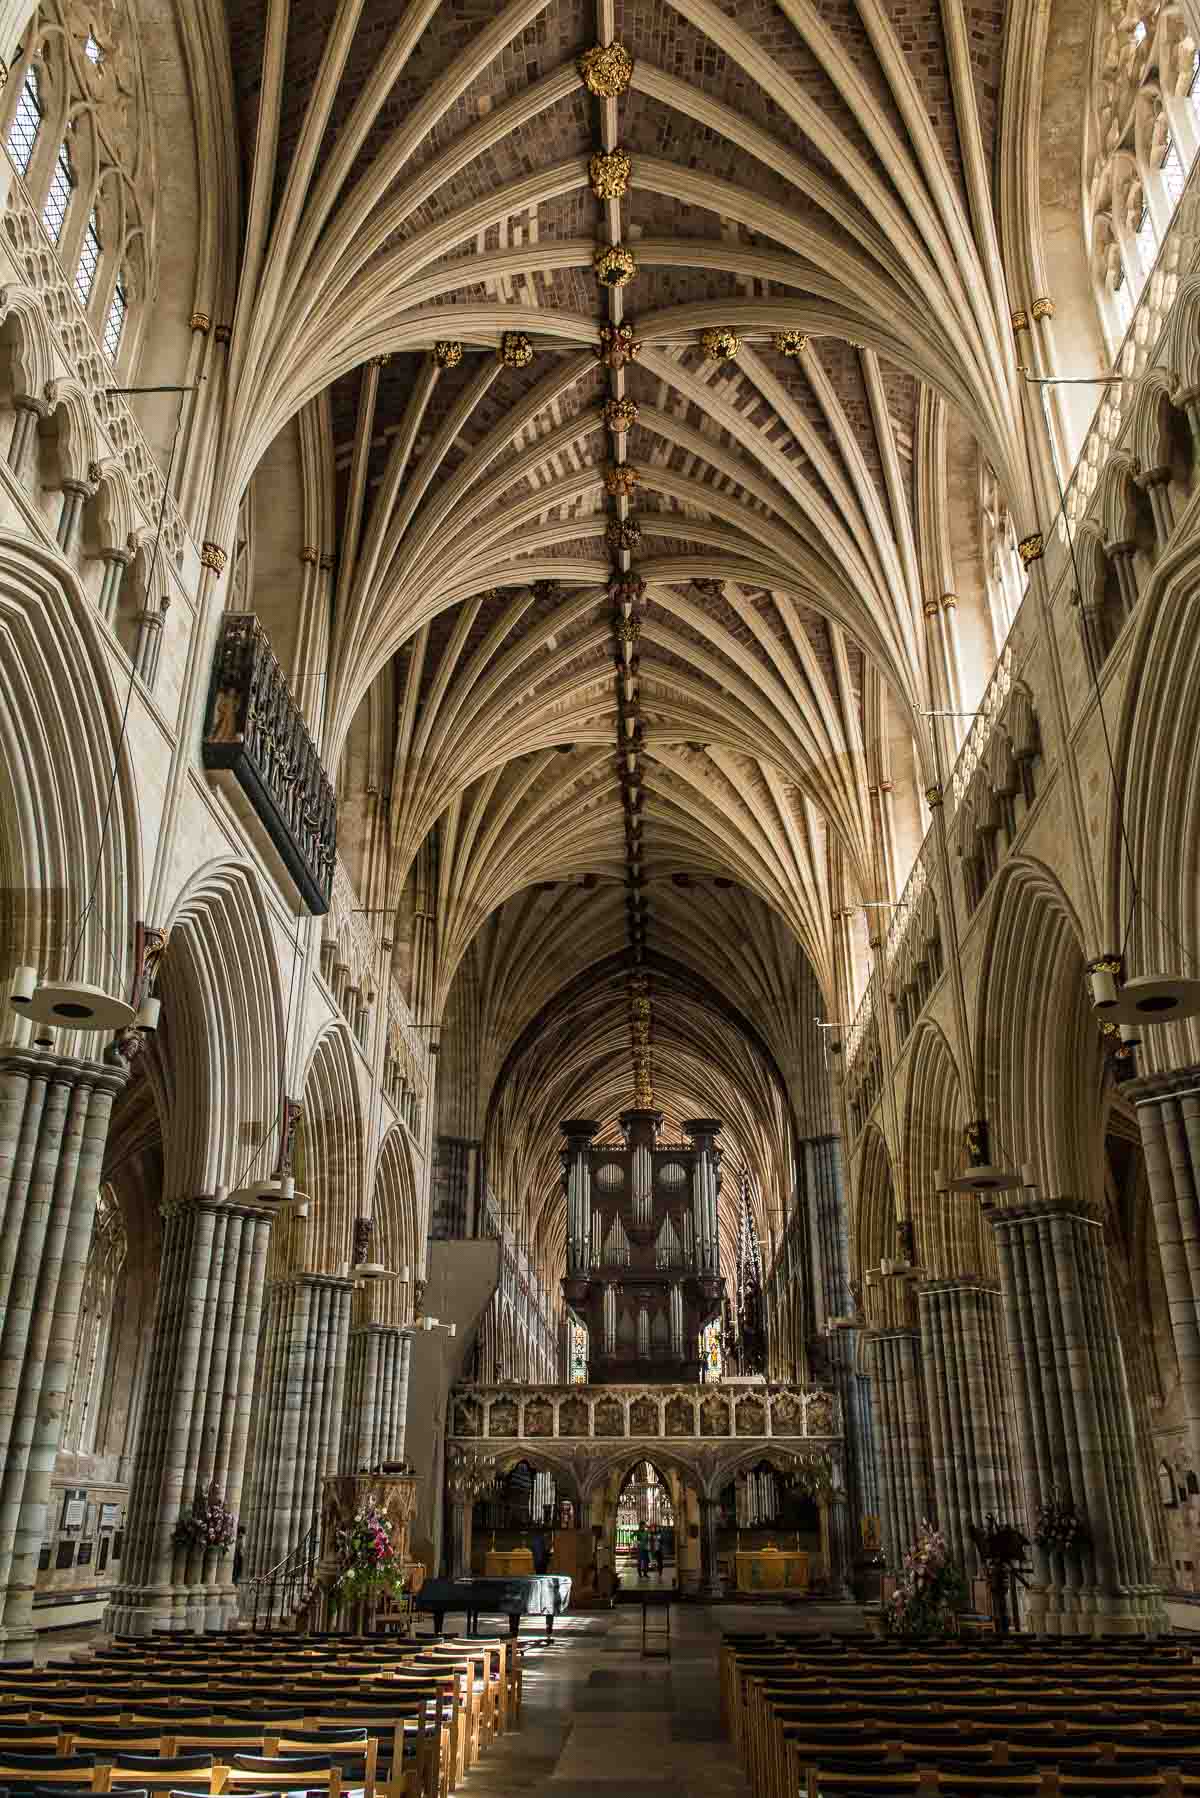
x=394 y=1496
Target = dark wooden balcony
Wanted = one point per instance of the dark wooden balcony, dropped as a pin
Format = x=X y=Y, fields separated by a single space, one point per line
x=254 y=731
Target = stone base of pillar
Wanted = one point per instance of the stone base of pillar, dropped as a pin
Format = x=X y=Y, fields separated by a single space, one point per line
x=711 y=1589
x=17 y=1645
x=1083 y=1612
x=180 y=1609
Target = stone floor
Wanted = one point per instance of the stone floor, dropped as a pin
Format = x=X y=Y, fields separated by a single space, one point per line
x=599 y=1720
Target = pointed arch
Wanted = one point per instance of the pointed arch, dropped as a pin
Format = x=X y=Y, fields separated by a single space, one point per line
x=222 y=1033
x=59 y=827
x=330 y=1154
x=398 y=1240
x=1040 y=1053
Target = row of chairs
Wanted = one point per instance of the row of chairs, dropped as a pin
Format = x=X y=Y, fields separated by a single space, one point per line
x=263 y=1715
x=877 y=1721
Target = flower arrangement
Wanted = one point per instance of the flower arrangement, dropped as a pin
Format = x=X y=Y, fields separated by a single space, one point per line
x=1060 y=1529
x=209 y=1523
x=931 y=1589
x=369 y=1562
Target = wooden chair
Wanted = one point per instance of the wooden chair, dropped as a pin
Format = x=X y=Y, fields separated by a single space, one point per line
x=185 y=1773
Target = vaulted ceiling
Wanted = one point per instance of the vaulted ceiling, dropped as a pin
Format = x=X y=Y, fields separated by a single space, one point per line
x=814 y=179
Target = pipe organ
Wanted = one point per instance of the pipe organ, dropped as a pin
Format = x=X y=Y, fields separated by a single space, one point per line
x=643 y=1252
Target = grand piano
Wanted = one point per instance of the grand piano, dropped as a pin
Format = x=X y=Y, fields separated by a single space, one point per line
x=538 y=1595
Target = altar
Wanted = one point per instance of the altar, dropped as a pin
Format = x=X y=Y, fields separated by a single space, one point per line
x=501 y=1563
x=772 y=1569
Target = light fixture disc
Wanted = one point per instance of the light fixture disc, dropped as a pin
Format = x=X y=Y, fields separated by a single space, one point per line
x=72 y=1005
x=986 y=1179
x=263 y=1192
x=1156 y=999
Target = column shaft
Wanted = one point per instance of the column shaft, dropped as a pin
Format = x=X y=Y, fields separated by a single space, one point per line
x=375 y=1416
x=1076 y=1422
x=301 y=1385
x=969 y=1406
x=196 y=1416
x=54 y=1117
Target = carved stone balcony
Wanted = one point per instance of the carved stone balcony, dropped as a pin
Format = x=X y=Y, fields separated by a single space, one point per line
x=255 y=733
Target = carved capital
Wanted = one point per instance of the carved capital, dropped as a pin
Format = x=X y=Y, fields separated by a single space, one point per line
x=214 y=557
x=1020 y=319
x=1031 y=548
x=202 y=322
x=1043 y=308
x=223 y=333
x=310 y=553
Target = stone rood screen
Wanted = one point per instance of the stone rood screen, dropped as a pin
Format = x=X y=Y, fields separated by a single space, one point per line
x=643 y=1267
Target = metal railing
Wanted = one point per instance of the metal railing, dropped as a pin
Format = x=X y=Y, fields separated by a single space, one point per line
x=283 y=1591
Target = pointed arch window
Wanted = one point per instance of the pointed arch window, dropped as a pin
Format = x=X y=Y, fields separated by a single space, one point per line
x=114 y=324
x=93 y=51
x=26 y=123
x=89 y=261
x=58 y=200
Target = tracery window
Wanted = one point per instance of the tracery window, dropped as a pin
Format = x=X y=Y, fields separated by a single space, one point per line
x=58 y=200
x=89 y=261
x=1142 y=137
x=26 y=122
x=78 y=128
x=114 y=324
x=95 y=1343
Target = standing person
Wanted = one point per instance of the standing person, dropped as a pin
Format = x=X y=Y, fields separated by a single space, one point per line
x=643 y=1552
x=658 y=1552
x=239 y=1555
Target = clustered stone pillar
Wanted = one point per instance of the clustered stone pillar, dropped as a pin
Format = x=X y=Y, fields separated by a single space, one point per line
x=1168 y=1108
x=1075 y=1420
x=299 y=1412
x=905 y=1485
x=373 y=1423
x=823 y=1180
x=971 y=1425
x=710 y=1573
x=196 y=1416
x=54 y=1117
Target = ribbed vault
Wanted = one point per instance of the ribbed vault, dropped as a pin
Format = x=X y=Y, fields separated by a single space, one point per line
x=812 y=180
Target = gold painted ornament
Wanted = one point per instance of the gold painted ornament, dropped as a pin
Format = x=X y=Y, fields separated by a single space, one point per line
x=629 y=590
x=447 y=352
x=618 y=345
x=720 y=345
x=609 y=172
x=606 y=70
x=620 y=416
x=791 y=343
x=615 y=265
x=623 y=534
x=515 y=350
x=1031 y=548
x=621 y=479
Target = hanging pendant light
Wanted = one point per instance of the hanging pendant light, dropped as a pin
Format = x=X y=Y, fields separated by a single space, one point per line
x=1153 y=999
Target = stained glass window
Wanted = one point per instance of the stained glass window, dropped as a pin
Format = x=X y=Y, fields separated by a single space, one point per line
x=27 y=121
x=62 y=183
x=579 y=1354
x=712 y=1356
